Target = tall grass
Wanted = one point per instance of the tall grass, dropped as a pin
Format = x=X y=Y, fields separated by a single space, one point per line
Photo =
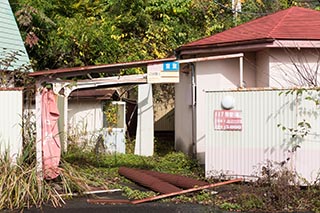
x=20 y=183
x=20 y=186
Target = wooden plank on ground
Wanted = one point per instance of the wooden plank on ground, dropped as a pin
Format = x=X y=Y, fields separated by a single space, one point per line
x=107 y=201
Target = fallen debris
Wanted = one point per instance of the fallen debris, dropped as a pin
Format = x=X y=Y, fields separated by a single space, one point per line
x=177 y=180
x=148 y=181
x=174 y=179
x=101 y=191
x=91 y=192
x=186 y=191
x=108 y=201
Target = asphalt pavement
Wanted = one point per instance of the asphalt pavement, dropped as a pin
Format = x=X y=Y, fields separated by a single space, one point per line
x=80 y=204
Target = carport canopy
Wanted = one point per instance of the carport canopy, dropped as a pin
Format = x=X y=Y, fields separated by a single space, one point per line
x=63 y=83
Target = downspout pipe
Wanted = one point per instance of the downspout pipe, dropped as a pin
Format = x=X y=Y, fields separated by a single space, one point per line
x=194 y=114
x=241 y=72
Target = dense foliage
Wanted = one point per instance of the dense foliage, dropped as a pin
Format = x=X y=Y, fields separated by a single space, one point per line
x=67 y=33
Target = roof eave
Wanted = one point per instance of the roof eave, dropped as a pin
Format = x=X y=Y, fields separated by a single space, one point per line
x=251 y=45
x=104 y=68
x=224 y=47
x=253 y=41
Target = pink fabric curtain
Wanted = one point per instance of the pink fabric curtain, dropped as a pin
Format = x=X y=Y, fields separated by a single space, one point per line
x=50 y=136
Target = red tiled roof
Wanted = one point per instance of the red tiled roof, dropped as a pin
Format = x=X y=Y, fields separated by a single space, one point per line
x=295 y=23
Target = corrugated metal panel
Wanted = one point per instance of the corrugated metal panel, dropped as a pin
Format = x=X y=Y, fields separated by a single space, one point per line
x=307 y=160
x=10 y=122
x=10 y=37
x=242 y=153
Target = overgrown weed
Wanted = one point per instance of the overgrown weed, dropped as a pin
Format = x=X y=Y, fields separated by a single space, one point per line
x=277 y=190
x=175 y=162
x=21 y=186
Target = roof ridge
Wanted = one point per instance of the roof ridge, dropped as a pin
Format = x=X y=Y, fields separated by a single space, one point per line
x=280 y=22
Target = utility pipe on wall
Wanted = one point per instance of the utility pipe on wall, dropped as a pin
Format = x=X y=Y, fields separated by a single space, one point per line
x=194 y=113
x=241 y=71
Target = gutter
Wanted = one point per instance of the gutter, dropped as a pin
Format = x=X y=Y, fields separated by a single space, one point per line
x=226 y=44
x=225 y=47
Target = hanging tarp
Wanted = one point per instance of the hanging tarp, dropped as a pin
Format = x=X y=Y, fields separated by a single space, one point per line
x=50 y=137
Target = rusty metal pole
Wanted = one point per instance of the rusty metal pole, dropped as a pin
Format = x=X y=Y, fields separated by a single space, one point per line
x=148 y=181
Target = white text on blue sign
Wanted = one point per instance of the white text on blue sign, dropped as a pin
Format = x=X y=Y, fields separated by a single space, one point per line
x=171 y=66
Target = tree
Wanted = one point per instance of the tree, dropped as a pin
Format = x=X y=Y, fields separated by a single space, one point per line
x=255 y=8
x=85 y=32
x=72 y=33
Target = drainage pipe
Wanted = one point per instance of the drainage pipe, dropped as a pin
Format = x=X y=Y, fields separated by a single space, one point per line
x=241 y=71
x=194 y=113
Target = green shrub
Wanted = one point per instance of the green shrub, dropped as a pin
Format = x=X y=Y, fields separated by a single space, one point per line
x=136 y=194
x=178 y=163
x=250 y=202
x=175 y=162
x=230 y=206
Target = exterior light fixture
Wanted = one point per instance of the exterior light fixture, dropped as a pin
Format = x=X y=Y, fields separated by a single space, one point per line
x=227 y=102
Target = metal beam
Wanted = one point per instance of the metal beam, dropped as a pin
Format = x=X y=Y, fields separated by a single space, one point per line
x=210 y=58
x=70 y=85
x=102 y=68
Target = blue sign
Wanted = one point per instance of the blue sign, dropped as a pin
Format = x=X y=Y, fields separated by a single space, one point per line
x=171 y=66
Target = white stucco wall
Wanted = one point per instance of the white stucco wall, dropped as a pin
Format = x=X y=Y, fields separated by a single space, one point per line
x=183 y=116
x=85 y=115
x=250 y=69
x=218 y=75
x=262 y=68
x=285 y=63
x=210 y=75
